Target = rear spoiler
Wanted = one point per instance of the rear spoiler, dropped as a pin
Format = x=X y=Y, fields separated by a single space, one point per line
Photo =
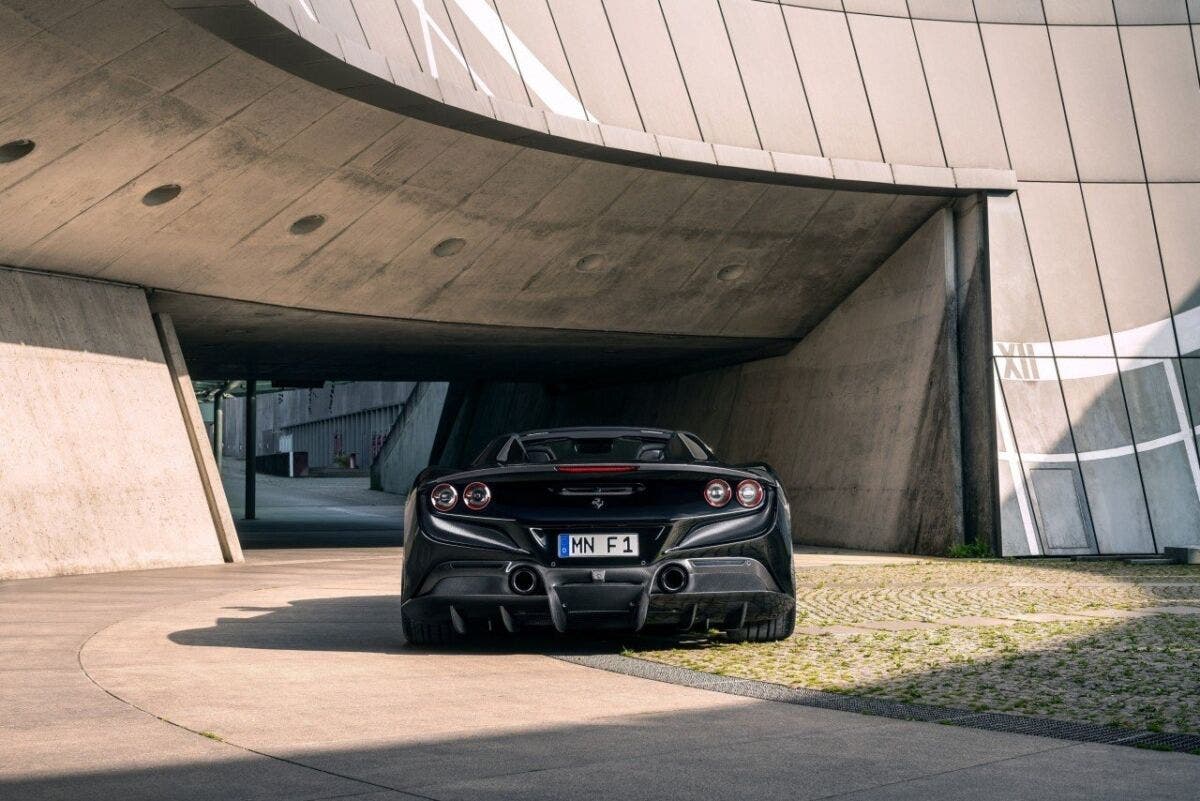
x=432 y=472
x=762 y=468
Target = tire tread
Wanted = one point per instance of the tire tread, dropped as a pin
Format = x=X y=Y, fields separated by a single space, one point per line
x=778 y=628
x=426 y=633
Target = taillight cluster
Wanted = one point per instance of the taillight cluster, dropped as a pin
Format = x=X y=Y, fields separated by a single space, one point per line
x=475 y=496
x=749 y=493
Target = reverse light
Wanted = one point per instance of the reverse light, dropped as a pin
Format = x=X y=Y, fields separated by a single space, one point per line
x=477 y=496
x=717 y=493
x=750 y=493
x=443 y=497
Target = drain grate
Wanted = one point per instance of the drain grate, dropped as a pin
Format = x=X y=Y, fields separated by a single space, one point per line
x=1046 y=727
x=1167 y=741
x=988 y=721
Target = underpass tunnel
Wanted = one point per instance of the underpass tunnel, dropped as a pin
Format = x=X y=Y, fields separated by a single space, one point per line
x=309 y=483
x=893 y=278
x=877 y=419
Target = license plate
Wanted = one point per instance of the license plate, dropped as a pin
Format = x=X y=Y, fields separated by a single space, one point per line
x=597 y=545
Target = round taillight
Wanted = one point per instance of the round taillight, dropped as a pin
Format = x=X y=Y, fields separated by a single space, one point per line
x=750 y=493
x=444 y=496
x=717 y=493
x=476 y=496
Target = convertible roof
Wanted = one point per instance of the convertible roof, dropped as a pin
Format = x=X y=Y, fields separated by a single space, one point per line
x=594 y=432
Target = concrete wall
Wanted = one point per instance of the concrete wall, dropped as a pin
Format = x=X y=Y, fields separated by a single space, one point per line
x=861 y=419
x=408 y=448
x=96 y=469
x=344 y=417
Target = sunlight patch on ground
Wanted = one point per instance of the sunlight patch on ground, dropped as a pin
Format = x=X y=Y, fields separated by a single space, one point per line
x=1038 y=638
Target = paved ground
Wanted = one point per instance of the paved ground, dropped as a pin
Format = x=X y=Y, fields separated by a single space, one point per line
x=1103 y=643
x=287 y=678
x=313 y=512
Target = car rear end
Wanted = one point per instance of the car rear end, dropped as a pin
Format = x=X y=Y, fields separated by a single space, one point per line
x=622 y=545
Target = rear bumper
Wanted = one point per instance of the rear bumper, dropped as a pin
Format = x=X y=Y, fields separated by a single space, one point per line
x=720 y=592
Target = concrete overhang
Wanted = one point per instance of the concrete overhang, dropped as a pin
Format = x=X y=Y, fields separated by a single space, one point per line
x=434 y=246
x=307 y=40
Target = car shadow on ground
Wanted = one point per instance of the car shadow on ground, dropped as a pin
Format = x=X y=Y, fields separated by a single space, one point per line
x=371 y=624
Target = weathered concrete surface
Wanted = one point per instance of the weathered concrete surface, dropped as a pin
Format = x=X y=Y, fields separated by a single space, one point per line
x=286 y=678
x=860 y=419
x=541 y=240
x=409 y=445
x=206 y=463
x=97 y=472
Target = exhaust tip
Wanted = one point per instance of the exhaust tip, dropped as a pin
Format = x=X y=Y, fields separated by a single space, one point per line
x=672 y=578
x=523 y=580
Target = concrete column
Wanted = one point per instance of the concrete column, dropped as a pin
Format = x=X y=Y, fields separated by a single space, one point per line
x=251 y=445
x=210 y=478
x=977 y=412
x=218 y=442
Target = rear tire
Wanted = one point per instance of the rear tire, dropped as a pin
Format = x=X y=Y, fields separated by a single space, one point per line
x=779 y=628
x=426 y=633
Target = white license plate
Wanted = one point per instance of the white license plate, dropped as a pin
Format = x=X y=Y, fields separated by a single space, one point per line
x=597 y=545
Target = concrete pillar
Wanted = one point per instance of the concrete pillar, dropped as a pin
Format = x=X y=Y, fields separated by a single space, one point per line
x=210 y=477
x=251 y=445
x=218 y=442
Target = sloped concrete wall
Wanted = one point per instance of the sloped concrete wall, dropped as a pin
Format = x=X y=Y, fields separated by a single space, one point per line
x=409 y=445
x=861 y=419
x=96 y=469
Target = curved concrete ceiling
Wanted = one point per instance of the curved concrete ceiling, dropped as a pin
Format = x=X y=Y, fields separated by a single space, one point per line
x=660 y=84
x=122 y=98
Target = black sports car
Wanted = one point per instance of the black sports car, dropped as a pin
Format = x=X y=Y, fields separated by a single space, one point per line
x=597 y=528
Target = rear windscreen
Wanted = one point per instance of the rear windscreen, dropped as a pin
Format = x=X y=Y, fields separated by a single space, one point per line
x=574 y=450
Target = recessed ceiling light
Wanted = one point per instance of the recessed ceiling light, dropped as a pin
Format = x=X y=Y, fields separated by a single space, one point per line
x=16 y=149
x=307 y=224
x=731 y=272
x=592 y=262
x=162 y=194
x=448 y=247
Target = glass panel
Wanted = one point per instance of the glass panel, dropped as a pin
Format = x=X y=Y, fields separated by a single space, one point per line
x=1018 y=534
x=1037 y=452
x=1096 y=404
x=1166 y=448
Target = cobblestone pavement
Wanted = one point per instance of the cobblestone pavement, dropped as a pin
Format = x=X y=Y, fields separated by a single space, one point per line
x=1106 y=643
